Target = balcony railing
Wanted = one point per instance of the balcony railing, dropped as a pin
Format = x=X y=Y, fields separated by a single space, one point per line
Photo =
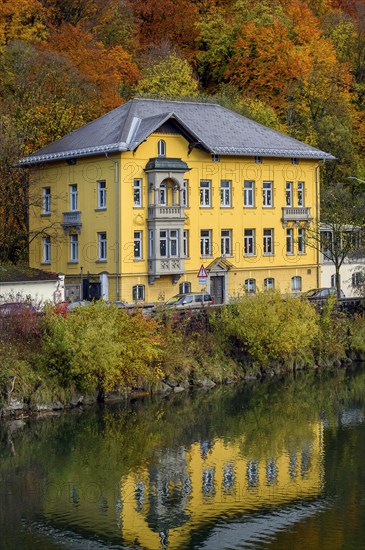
x=71 y=220
x=159 y=211
x=165 y=266
x=298 y=214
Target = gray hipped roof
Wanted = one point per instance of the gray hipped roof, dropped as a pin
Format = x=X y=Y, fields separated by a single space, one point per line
x=209 y=126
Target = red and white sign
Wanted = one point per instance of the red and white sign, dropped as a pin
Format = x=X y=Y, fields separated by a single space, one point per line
x=202 y=273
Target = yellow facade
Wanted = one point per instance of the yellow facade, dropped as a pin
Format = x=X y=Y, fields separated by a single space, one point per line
x=163 y=507
x=223 y=210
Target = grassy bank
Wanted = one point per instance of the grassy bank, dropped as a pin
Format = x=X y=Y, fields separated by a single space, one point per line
x=101 y=349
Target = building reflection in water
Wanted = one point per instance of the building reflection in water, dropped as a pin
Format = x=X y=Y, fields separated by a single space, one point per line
x=187 y=488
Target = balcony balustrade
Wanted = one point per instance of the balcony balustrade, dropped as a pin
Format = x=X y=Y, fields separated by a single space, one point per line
x=162 y=212
x=71 y=220
x=296 y=214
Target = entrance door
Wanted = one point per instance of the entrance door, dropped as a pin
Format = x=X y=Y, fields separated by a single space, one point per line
x=217 y=288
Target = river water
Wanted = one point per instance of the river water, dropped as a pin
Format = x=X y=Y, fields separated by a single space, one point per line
x=277 y=464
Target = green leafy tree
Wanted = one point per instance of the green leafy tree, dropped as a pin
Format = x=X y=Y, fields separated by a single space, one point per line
x=172 y=76
x=339 y=233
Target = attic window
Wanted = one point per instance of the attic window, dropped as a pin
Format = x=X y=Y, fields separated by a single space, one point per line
x=294 y=161
x=258 y=160
x=215 y=158
x=161 y=148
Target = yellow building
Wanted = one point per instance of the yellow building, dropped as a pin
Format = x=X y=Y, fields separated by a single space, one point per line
x=201 y=488
x=131 y=205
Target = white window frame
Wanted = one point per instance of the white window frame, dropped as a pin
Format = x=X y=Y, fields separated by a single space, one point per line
x=138 y=293
x=249 y=194
x=185 y=194
x=205 y=242
x=137 y=245
x=226 y=242
x=296 y=283
x=186 y=243
x=249 y=247
x=137 y=193
x=174 y=243
x=301 y=240
x=47 y=250
x=74 y=248
x=268 y=242
x=226 y=193
x=289 y=194
x=300 y=193
x=46 y=200
x=205 y=193
x=269 y=283
x=184 y=287
x=102 y=195
x=161 y=148
x=74 y=197
x=102 y=246
x=171 y=240
x=290 y=241
x=267 y=194
x=250 y=286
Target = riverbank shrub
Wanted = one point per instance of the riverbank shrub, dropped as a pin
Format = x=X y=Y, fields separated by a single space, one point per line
x=100 y=348
x=271 y=329
x=331 y=341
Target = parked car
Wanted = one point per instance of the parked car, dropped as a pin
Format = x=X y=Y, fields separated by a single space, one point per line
x=189 y=299
x=78 y=303
x=321 y=293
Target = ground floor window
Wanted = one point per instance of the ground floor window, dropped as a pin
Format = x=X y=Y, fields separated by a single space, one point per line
x=138 y=293
x=184 y=287
x=296 y=283
x=250 y=286
x=269 y=283
x=357 y=279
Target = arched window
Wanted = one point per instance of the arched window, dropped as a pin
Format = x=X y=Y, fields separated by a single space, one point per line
x=269 y=283
x=161 y=148
x=296 y=283
x=250 y=286
x=138 y=293
x=184 y=287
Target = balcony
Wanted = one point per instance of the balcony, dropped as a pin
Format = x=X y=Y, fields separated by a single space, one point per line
x=298 y=214
x=165 y=266
x=71 y=220
x=161 y=212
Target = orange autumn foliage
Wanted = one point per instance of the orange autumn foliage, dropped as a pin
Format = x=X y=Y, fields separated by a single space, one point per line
x=107 y=68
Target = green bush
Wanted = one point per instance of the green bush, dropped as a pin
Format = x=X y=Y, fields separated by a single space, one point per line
x=100 y=348
x=331 y=341
x=271 y=329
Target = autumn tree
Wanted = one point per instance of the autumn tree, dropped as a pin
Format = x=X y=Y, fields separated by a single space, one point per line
x=22 y=20
x=171 y=21
x=108 y=69
x=172 y=76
